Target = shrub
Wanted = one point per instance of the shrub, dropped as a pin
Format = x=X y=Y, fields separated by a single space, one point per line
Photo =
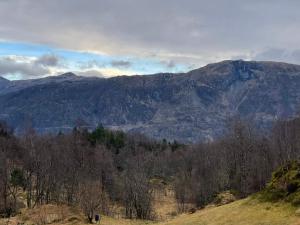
x=285 y=184
x=272 y=194
x=224 y=198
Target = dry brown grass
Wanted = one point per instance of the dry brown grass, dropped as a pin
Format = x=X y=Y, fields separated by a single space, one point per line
x=243 y=212
x=47 y=214
x=165 y=204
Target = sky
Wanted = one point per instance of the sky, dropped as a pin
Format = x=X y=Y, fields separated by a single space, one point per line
x=108 y=38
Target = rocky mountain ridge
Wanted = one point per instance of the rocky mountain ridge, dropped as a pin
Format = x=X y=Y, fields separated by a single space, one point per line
x=188 y=107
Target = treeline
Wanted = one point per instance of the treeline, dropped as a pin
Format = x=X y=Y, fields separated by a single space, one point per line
x=97 y=170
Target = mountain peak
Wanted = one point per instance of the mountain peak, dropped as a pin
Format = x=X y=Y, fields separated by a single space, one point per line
x=261 y=65
x=246 y=68
x=68 y=75
x=235 y=65
x=242 y=63
x=62 y=77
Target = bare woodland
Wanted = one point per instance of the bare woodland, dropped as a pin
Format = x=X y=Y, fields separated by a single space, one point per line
x=95 y=170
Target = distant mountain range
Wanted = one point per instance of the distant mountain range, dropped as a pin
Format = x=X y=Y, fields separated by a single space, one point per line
x=187 y=107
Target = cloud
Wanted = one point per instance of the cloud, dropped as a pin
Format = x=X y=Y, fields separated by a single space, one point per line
x=48 y=60
x=121 y=63
x=191 y=31
x=89 y=73
x=104 y=72
x=28 y=67
x=9 y=65
x=278 y=54
x=89 y=64
x=169 y=64
x=111 y=72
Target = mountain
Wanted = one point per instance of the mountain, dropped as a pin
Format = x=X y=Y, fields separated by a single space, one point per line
x=3 y=82
x=16 y=85
x=187 y=107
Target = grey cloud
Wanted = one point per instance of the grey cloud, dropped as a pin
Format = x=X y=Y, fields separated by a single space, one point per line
x=274 y=54
x=278 y=54
x=26 y=69
x=296 y=55
x=121 y=63
x=29 y=68
x=194 y=31
x=48 y=60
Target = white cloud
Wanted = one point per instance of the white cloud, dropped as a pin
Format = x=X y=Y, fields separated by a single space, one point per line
x=104 y=72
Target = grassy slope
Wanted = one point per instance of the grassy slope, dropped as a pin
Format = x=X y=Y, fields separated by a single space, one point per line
x=242 y=212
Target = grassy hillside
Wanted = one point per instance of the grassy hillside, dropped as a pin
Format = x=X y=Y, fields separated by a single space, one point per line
x=243 y=212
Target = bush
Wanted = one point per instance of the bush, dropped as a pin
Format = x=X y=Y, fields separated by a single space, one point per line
x=285 y=184
x=224 y=198
x=272 y=195
x=294 y=199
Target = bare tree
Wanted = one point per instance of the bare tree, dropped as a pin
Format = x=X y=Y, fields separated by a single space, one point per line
x=90 y=198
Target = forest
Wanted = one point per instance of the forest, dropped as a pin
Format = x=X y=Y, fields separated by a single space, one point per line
x=96 y=170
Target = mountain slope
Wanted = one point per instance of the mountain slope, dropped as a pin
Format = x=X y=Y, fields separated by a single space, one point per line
x=188 y=107
x=3 y=82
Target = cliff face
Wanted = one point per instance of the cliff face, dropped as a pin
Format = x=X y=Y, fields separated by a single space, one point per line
x=188 y=107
